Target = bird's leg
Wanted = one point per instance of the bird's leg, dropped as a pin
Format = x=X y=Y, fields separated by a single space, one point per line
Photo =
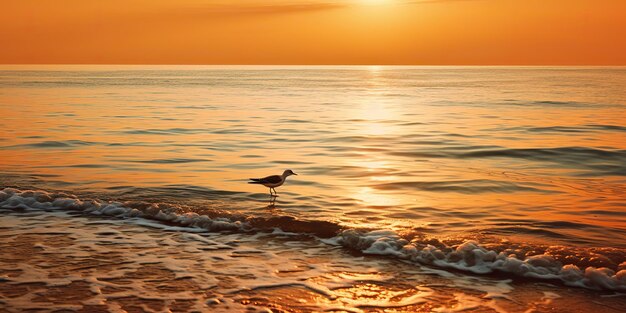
x=271 y=194
x=275 y=193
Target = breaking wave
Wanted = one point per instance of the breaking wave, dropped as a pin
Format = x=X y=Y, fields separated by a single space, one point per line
x=599 y=268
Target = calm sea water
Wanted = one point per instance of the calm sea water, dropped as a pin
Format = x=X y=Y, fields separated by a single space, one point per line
x=528 y=160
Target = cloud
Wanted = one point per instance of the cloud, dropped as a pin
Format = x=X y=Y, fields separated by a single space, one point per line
x=260 y=9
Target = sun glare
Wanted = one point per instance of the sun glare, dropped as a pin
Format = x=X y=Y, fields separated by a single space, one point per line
x=373 y=2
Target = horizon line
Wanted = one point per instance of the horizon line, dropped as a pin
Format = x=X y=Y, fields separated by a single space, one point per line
x=333 y=64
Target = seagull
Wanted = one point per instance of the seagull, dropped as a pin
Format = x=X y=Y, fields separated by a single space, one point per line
x=272 y=181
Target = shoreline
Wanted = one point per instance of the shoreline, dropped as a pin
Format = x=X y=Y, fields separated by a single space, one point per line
x=56 y=260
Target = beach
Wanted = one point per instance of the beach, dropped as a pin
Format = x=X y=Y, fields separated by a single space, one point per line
x=419 y=189
x=56 y=261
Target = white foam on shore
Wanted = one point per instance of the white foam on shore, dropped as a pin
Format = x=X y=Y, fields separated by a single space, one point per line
x=472 y=257
x=27 y=200
x=469 y=256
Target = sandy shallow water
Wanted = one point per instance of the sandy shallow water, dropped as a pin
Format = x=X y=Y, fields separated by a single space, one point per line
x=65 y=261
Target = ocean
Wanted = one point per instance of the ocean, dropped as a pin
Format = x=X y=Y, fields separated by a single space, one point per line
x=434 y=189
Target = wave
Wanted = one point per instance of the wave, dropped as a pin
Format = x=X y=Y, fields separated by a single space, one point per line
x=52 y=144
x=462 y=186
x=473 y=257
x=599 y=268
x=168 y=161
x=585 y=129
x=596 y=162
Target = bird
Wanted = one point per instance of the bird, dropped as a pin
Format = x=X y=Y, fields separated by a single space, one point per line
x=272 y=181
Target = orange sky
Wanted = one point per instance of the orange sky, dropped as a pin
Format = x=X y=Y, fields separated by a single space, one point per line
x=499 y=32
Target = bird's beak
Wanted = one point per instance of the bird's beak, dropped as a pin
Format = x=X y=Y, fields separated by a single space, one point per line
x=295 y=174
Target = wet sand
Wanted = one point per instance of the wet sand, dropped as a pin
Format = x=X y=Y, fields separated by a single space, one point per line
x=60 y=261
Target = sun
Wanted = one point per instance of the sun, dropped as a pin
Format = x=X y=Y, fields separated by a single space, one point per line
x=373 y=2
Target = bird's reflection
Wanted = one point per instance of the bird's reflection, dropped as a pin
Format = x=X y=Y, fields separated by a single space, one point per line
x=272 y=203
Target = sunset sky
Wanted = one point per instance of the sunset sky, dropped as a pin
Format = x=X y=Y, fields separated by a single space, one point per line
x=429 y=32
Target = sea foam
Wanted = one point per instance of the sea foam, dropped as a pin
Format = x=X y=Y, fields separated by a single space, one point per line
x=469 y=256
x=472 y=257
x=16 y=199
